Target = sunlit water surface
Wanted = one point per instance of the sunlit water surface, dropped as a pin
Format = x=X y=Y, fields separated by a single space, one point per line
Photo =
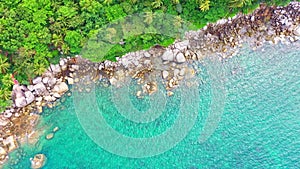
x=259 y=126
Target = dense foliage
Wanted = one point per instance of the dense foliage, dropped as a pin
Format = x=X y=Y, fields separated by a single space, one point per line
x=35 y=33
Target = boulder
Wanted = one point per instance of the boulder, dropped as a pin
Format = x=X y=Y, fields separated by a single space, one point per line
x=169 y=93
x=176 y=72
x=147 y=62
x=38 y=161
x=101 y=66
x=56 y=95
x=168 y=56
x=125 y=62
x=297 y=31
x=3 y=121
x=61 y=62
x=182 y=45
x=30 y=87
x=39 y=109
x=60 y=88
x=17 y=92
x=113 y=81
x=75 y=67
x=147 y=55
x=39 y=99
x=29 y=97
x=180 y=58
x=139 y=93
x=40 y=88
x=11 y=143
x=49 y=98
x=52 y=81
x=7 y=114
x=165 y=74
x=49 y=136
x=70 y=81
x=45 y=80
x=182 y=72
x=2 y=151
x=3 y=155
x=64 y=67
x=20 y=102
x=37 y=80
x=55 y=68
x=55 y=129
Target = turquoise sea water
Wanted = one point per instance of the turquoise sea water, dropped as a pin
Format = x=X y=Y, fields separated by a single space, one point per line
x=259 y=125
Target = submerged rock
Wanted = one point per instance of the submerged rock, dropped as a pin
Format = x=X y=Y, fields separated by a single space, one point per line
x=55 y=129
x=49 y=136
x=38 y=161
x=70 y=81
x=11 y=143
x=3 y=155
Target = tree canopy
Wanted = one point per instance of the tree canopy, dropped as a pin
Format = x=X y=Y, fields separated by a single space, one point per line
x=34 y=33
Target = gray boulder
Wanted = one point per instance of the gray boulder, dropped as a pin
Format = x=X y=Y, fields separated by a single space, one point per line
x=165 y=74
x=37 y=80
x=29 y=97
x=180 y=58
x=168 y=56
x=297 y=31
x=52 y=81
x=55 y=68
x=60 y=88
x=20 y=102
x=40 y=88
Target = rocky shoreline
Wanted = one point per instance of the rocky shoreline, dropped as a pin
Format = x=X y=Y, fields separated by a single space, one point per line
x=172 y=64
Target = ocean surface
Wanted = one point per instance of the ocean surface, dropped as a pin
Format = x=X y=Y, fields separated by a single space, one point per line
x=244 y=113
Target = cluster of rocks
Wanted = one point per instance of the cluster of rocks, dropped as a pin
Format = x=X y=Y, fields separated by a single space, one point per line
x=19 y=120
x=223 y=40
x=171 y=65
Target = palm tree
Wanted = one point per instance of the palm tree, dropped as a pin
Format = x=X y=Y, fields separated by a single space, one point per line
x=175 y=1
x=7 y=81
x=132 y=1
x=157 y=4
x=111 y=34
x=107 y=2
x=239 y=3
x=4 y=65
x=40 y=65
x=5 y=94
x=65 y=48
x=149 y=17
x=204 y=4
x=57 y=40
x=39 y=69
x=178 y=21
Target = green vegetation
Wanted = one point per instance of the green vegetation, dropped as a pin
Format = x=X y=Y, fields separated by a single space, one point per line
x=35 y=33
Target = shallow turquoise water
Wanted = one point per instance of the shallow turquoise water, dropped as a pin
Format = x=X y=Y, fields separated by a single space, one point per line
x=259 y=125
